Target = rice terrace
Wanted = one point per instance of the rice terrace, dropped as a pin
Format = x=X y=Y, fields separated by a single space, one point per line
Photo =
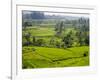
x=51 y=39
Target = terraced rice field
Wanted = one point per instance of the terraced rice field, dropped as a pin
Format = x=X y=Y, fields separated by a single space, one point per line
x=42 y=57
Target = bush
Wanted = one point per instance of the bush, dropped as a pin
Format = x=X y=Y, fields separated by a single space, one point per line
x=57 y=44
x=40 y=42
x=68 y=41
x=85 y=53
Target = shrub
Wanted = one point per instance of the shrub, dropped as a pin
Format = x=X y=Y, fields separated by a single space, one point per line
x=40 y=42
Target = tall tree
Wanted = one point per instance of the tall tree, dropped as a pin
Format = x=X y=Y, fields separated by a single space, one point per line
x=59 y=28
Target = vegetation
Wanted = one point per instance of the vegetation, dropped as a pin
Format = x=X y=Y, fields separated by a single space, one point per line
x=58 y=42
x=42 y=57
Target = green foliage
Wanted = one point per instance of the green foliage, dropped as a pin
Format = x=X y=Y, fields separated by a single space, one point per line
x=40 y=42
x=43 y=57
x=26 y=39
x=26 y=24
x=68 y=39
x=59 y=28
x=55 y=43
x=34 y=40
